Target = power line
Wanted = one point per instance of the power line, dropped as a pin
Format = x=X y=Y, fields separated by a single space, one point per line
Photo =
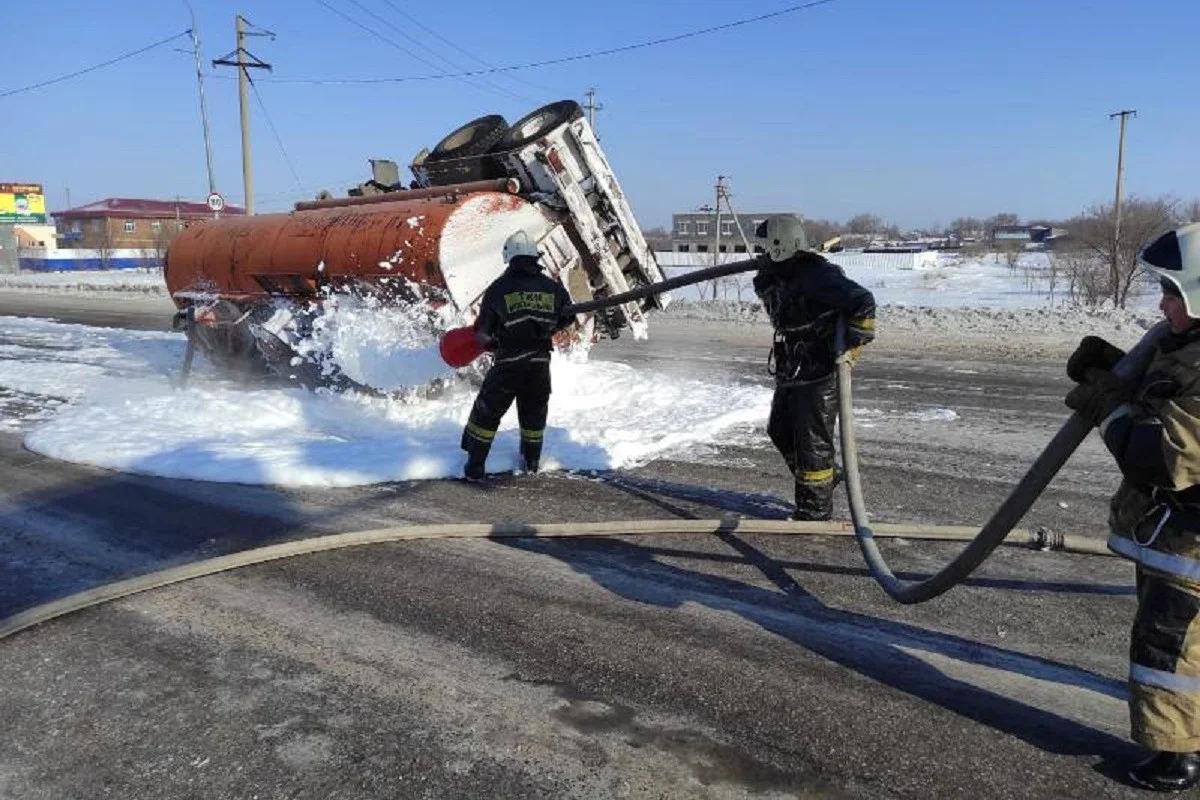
x=447 y=42
x=95 y=67
x=564 y=59
x=275 y=133
x=400 y=47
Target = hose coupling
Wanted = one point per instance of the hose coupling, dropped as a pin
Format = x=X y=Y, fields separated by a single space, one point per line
x=1045 y=540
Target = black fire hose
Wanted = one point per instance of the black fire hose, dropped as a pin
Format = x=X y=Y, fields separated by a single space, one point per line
x=698 y=276
x=1005 y=518
x=1010 y=512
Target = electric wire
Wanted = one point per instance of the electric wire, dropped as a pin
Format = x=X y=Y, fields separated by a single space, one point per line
x=478 y=83
x=274 y=131
x=385 y=39
x=563 y=59
x=454 y=46
x=95 y=67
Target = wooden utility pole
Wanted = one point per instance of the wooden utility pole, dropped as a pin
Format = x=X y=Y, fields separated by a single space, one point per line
x=592 y=107
x=245 y=61
x=1115 y=266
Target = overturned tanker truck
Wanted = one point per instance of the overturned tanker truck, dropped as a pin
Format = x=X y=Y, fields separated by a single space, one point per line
x=247 y=287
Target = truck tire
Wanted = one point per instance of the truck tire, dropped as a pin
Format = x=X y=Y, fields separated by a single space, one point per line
x=537 y=124
x=475 y=138
x=462 y=156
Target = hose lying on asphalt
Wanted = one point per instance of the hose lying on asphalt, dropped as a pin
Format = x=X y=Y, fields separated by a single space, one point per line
x=998 y=530
x=1036 y=540
x=1010 y=512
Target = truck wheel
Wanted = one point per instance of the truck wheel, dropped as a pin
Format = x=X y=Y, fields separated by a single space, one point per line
x=475 y=138
x=538 y=123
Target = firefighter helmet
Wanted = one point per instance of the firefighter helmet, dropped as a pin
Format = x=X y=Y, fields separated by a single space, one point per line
x=1175 y=256
x=519 y=244
x=783 y=236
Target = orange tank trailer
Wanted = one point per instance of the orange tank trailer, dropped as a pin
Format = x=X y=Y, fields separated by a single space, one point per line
x=251 y=258
x=227 y=274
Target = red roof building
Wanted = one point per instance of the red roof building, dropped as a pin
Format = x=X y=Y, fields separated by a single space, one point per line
x=121 y=222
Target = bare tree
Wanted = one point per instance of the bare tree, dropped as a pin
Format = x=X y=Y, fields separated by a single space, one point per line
x=1190 y=212
x=999 y=220
x=1093 y=236
x=658 y=238
x=104 y=243
x=163 y=235
x=967 y=228
x=819 y=231
x=864 y=224
x=1086 y=275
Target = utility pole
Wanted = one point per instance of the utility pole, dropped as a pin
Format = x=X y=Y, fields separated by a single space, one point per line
x=245 y=61
x=1115 y=266
x=723 y=193
x=592 y=107
x=195 y=32
x=717 y=232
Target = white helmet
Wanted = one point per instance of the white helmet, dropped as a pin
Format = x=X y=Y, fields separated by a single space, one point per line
x=783 y=235
x=519 y=244
x=1176 y=256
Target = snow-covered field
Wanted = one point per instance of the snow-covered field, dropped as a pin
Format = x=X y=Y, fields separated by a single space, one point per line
x=107 y=397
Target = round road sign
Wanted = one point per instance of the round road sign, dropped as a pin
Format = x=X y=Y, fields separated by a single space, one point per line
x=216 y=202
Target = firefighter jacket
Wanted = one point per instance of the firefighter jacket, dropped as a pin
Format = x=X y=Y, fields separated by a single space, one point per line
x=1155 y=514
x=804 y=296
x=521 y=311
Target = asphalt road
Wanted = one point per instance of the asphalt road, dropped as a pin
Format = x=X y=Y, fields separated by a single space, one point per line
x=689 y=667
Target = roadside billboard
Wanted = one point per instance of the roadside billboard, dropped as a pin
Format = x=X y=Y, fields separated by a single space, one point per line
x=22 y=202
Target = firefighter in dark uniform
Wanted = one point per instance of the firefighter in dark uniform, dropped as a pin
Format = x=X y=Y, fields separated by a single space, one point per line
x=518 y=317
x=805 y=295
x=1152 y=429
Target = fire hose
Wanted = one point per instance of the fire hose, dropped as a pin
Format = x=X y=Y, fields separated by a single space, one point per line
x=1020 y=499
x=999 y=530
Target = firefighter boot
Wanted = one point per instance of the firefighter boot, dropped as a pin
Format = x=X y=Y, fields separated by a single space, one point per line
x=814 y=499
x=531 y=449
x=1168 y=772
x=473 y=471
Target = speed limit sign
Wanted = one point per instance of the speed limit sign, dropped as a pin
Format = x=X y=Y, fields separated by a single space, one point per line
x=216 y=202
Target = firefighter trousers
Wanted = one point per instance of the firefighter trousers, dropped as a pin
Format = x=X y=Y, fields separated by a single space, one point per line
x=528 y=383
x=1164 y=665
x=801 y=428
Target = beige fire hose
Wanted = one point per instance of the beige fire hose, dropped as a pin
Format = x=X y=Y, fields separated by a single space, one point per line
x=999 y=530
x=1036 y=540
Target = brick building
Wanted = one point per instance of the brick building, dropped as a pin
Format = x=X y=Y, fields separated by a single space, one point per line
x=124 y=223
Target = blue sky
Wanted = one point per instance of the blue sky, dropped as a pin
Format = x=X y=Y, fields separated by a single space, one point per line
x=917 y=111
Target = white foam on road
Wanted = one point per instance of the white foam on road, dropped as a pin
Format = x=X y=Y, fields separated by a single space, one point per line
x=124 y=413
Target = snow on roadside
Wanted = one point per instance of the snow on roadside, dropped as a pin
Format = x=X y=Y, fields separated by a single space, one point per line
x=87 y=282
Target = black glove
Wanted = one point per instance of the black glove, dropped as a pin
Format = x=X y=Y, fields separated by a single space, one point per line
x=1098 y=395
x=1092 y=353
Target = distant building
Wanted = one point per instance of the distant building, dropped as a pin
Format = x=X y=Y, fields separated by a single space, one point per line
x=125 y=223
x=1032 y=236
x=696 y=232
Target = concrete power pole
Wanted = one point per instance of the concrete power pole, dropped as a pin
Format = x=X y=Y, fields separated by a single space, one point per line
x=724 y=193
x=212 y=183
x=592 y=107
x=245 y=61
x=717 y=224
x=1115 y=266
